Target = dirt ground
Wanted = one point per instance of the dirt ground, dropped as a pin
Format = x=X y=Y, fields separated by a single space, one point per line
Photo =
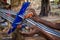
x=35 y=38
